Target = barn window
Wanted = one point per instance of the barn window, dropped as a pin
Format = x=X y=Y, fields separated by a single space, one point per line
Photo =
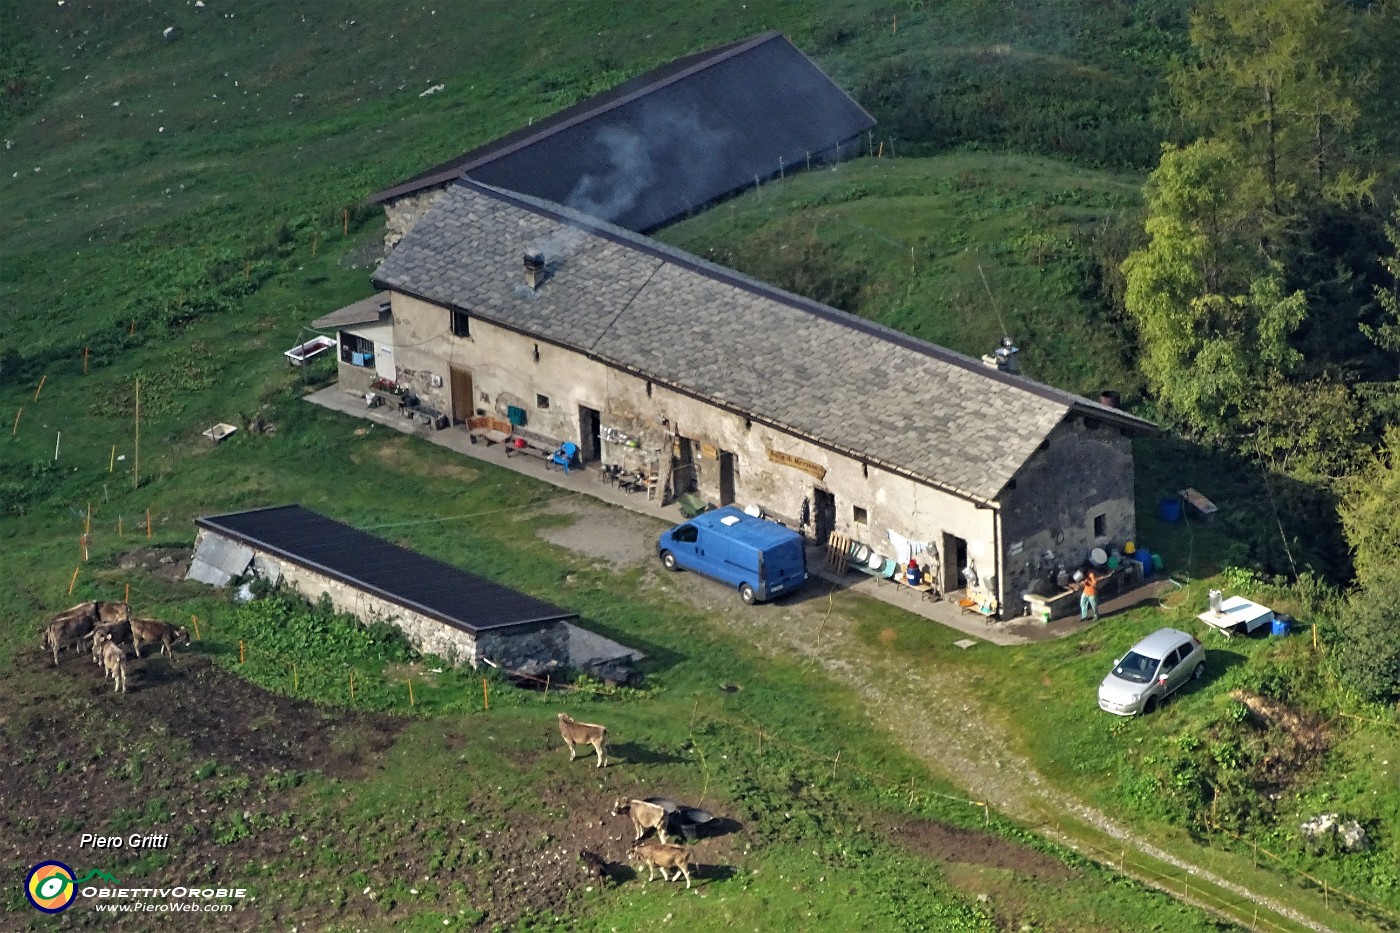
x=461 y=324
x=541 y=401
x=356 y=350
x=859 y=515
x=1100 y=526
x=648 y=390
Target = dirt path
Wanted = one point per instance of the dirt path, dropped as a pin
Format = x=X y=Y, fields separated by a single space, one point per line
x=931 y=715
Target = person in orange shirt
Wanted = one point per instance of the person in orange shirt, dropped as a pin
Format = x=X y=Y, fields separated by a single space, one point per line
x=1089 y=596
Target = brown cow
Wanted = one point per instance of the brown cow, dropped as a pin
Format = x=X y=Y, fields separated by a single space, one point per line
x=118 y=633
x=150 y=631
x=584 y=733
x=644 y=816
x=68 y=629
x=663 y=857
x=114 y=664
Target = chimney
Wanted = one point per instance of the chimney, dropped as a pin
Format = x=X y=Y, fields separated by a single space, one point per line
x=1004 y=357
x=534 y=268
x=1110 y=399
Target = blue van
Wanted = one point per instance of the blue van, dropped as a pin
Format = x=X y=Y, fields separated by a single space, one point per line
x=762 y=558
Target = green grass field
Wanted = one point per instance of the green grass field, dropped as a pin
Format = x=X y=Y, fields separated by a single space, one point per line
x=182 y=208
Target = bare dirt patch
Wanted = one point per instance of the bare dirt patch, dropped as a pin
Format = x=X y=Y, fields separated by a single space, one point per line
x=956 y=845
x=622 y=539
x=167 y=564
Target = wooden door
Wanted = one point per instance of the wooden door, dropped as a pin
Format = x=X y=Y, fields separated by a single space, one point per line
x=462 y=398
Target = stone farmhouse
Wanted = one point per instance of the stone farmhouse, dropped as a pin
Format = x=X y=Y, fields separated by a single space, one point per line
x=502 y=303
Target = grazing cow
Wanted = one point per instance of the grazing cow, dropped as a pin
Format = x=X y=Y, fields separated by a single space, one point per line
x=663 y=857
x=644 y=816
x=109 y=612
x=594 y=864
x=150 y=631
x=114 y=665
x=116 y=632
x=584 y=733
x=68 y=629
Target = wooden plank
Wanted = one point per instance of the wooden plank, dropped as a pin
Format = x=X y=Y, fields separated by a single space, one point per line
x=797 y=463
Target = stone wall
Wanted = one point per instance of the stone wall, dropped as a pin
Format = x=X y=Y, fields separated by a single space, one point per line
x=1084 y=472
x=401 y=214
x=503 y=364
x=511 y=648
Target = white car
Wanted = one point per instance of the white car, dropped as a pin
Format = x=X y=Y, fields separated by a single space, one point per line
x=1155 y=668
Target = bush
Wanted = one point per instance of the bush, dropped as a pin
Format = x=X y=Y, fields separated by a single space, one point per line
x=1367 y=654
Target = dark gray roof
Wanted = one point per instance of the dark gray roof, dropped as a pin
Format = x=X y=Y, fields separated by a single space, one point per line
x=672 y=140
x=837 y=379
x=365 y=311
x=437 y=590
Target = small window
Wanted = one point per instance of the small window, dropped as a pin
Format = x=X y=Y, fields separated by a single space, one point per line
x=1100 y=526
x=865 y=470
x=461 y=324
x=541 y=401
x=1091 y=424
x=687 y=533
x=859 y=515
x=356 y=350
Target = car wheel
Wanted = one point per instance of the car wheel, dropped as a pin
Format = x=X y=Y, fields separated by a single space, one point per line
x=668 y=560
x=746 y=594
x=1150 y=706
x=1199 y=672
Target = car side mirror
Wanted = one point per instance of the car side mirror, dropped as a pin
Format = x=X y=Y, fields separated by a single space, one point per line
x=1162 y=680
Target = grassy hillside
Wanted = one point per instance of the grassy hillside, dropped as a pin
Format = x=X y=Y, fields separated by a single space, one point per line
x=182 y=206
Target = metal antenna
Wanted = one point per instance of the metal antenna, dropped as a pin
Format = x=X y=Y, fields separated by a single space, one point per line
x=993 y=300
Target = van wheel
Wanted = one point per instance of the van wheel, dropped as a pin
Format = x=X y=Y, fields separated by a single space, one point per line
x=1199 y=672
x=746 y=594
x=1150 y=706
x=668 y=560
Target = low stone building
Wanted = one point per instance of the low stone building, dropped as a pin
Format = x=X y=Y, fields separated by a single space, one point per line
x=654 y=360
x=365 y=342
x=442 y=610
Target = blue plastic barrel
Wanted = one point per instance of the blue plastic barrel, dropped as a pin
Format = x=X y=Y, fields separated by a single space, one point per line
x=1169 y=510
x=1282 y=625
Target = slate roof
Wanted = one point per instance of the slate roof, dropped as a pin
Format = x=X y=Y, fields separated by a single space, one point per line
x=837 y=379
x=415 y=581
x=369 y=310
x=663 y=144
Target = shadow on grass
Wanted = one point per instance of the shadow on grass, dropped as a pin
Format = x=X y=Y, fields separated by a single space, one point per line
x=1266 y=521
x=632 y=753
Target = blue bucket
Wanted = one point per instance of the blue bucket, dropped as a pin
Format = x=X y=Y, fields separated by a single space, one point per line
x=1169 y=510
x=1282 y=625
x=1144 y=557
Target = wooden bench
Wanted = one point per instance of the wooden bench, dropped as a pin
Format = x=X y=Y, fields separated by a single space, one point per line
x=489 y=428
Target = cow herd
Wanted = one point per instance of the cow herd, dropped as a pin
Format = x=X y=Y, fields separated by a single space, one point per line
x=106 y=629
x=661 y=856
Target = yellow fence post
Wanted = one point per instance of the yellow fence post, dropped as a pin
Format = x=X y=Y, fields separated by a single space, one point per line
x=41 y=386
x=352 y=685
x=485 y=696
x=410 y=690
x=240 y=651
x=194 y=621
x=17 y=414
x=148 y=523
x=73 y=581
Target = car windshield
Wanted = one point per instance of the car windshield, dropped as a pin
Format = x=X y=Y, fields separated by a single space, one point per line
x=1137 y=668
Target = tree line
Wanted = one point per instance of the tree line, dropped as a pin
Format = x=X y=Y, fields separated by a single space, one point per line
x=1265 y=293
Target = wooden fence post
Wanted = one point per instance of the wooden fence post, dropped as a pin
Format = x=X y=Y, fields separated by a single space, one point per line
x=41 y=386
x=194 y=621
x=410 y=690
x=240 y=651
x=73 y=581
x=485 y=697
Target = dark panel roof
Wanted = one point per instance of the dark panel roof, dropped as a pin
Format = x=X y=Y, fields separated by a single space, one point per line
x=844 y=382
x=674 y=139
x=420 y=583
